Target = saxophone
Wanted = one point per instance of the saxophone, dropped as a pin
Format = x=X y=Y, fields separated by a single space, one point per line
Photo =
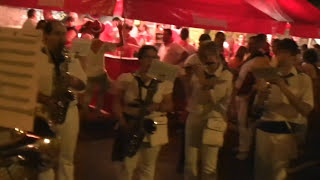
x=61 y=93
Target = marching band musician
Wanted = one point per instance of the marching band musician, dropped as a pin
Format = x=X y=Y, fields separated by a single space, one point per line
x=131 y=89
x=280 y=130
x=49 y=69
x=206 y=124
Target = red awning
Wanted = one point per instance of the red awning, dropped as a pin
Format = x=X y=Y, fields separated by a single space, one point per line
x=251 y=16
x=305 y=17
x=231 y=15
x=94 y=7
x=302 y=15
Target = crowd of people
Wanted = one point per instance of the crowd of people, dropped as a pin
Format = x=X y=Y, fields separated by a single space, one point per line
x=269 y=93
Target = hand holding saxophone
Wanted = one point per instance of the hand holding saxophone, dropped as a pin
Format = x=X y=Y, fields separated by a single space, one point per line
x=74 y=83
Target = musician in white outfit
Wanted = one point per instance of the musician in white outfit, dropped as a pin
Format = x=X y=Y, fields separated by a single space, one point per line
x=206 y=124
x=51 y=60
x=280 y=130
x=128 y=94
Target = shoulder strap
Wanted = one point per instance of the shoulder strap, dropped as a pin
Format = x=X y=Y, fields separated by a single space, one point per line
x=151 y=89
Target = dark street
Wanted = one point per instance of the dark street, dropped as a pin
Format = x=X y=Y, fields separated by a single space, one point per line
x=93 y=157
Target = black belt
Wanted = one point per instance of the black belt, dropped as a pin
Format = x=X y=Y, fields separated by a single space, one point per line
x=278 y=127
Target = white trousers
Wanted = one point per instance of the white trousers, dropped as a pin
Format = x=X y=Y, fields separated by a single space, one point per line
x=194 y=150
x=245 y=131
x=209 y=160
x=68 y=136
x=272 y=156
x=143 y=164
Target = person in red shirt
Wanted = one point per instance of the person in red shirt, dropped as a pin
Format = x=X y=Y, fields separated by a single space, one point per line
x=130 y=44
x=184 y=35
x=72 y=32
x=111 y=33
x=237 y=60
x=144 y=36
x=47 y=14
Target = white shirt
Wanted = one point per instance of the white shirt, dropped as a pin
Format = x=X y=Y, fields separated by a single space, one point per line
x=29 y=24
x=277 y=106
x=220 y=95
x=95 y=61
x=171 y=54
x=45 y=69
x=128 y=83
x=192 y=60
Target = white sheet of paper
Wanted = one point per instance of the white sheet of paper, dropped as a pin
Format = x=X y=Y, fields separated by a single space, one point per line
x=163 y=71
x=19 y=52
x=81 y=46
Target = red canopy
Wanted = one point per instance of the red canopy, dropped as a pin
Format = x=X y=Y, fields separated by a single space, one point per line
x=305 y=17
x=302 y=15
x=231 y=15
x=101 y=7
x=252 y=16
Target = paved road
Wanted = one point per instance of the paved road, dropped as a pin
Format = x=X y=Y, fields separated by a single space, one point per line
x=93 y=158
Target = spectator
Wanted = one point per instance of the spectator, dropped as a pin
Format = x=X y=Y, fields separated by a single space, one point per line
x=171 y=52
x=47 y=14
x=219 y=39
x=312 y=145
x=264 y=45
x=238 y=59
x=41 y=24
x=72 y=32
x=130 y=46
x=184 y=34
x=144 y=36
x=31 y=22
x=245 y=93
x=94 y=66
x=203 y=38
x=274 y=44
x=304 y=47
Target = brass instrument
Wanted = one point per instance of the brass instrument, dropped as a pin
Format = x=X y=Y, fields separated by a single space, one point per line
x=61 y=93
x=23 y=155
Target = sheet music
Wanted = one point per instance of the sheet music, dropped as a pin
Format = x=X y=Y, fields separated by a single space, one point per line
x=163 y=71
x=18 y=79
